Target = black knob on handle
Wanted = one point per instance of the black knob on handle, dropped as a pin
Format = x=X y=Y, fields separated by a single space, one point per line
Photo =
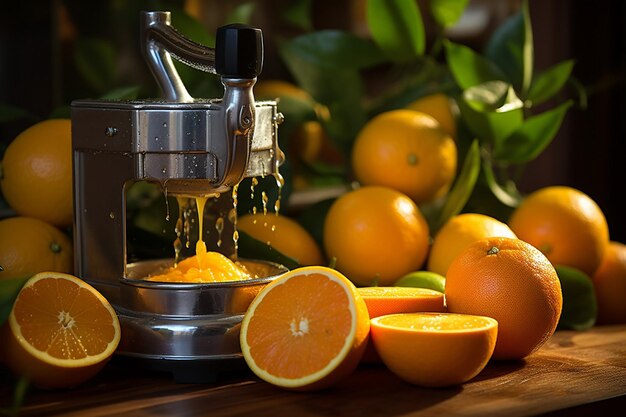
x=238 y=51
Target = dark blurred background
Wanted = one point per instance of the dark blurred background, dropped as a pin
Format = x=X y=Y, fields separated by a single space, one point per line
x=40 y=75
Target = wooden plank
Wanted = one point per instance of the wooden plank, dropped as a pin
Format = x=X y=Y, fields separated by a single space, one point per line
x=573 y=368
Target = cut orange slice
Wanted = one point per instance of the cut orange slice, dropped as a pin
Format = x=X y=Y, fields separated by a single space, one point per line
x=306 y=330
x=434 y=349
x=61 y=331
x=381 y=301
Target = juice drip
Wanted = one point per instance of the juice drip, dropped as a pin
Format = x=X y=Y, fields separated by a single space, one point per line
x=280 y=182
x=232 y=216
x=253 y=183
x=219 y=226
x=264 y=200
x=187 y=223
x=178 y=244
x=200 y=245
x=167 y=205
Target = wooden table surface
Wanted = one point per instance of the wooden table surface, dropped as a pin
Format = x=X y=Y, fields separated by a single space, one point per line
x=575 y=373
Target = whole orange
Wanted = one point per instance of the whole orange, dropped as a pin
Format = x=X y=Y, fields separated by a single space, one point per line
x=408 y=151
x=458 y=233
x=36 y=172
x=284 y=234
x=609 y=282
x=565 y=224
x=376 y=235
x=440 y=107
x=512 y=282
x=29 y=246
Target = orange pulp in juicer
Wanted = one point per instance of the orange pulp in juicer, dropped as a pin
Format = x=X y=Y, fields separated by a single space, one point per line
x=204 y=266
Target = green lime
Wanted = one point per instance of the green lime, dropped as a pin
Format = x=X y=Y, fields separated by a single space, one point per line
x=579 y=301
x=423 y=279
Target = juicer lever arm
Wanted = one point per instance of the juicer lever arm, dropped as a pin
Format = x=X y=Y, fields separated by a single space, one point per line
x=158 y=40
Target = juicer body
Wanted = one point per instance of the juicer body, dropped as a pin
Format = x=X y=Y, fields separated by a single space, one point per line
x=192 y=148
x=174 y=144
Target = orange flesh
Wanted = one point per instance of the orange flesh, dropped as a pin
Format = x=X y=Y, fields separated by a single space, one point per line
x=66 y=321
x=204 y=266
x=207 y=267
x=284 y=327
x=435 y=322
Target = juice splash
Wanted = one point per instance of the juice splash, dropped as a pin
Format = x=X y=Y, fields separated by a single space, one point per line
x=205 y=266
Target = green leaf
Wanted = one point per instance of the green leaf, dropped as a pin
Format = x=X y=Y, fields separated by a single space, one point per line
x=397 y=28
x=9 y=288
x=532 y=137
x=505 y=49
x=340 y=89
x=194 y=30
x=469 y=68
x=580 y=89
x=463 y=186
x=122 y=93
x=505 y=195
x=447 y=12
x=333 y=49
x=61 y=112
x=241 y=14
x=19 y=394
x=9 y=113
x=298 y=13
x=95 y=61
x=251 y=248
x=549 y=82
x=527 y=51
x=580 y=308
x=312 y=218
x=491 y=111
x=495 y=96
x=190 y=27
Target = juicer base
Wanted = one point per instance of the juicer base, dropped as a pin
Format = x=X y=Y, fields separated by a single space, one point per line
x=189 y=371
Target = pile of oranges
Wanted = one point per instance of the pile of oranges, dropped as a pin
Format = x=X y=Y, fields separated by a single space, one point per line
x=503 y=296
x=501 y=277
x=36 y=182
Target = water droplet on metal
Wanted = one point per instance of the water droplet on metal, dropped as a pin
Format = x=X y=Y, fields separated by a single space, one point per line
x=279 y=118
x=110 y=131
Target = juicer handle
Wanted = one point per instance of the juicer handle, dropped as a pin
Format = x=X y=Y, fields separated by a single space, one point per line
x=237 y=58
x=238 y=53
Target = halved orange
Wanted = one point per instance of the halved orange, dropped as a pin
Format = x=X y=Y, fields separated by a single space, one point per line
x=61 y=331
x=381 y=301
x=434 y=349
x=389 y=300
x=306 y=330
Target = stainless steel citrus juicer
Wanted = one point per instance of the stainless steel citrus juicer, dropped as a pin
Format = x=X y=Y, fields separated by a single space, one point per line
x=192 y=147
